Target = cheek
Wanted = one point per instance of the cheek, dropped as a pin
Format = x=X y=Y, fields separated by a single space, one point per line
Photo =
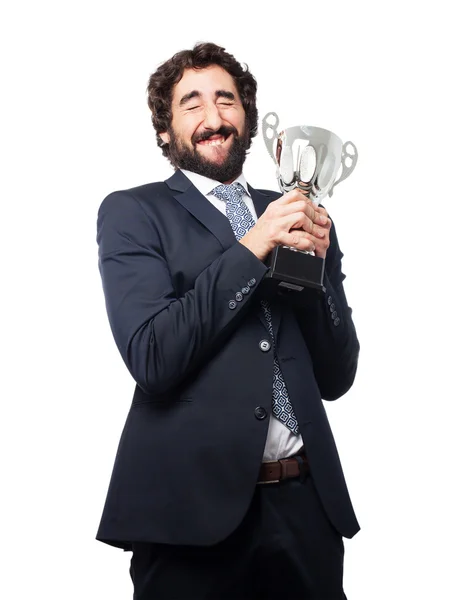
x=239 y=122
x=185 y=128
x=190 y=129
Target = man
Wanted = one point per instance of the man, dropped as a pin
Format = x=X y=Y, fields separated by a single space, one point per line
x=227 y=482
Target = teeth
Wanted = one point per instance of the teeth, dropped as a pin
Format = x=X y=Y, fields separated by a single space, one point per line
x=214 y=142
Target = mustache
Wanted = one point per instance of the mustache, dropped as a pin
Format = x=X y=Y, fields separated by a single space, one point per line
x=225 y=131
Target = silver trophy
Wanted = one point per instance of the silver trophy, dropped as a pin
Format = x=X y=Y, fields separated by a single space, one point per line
x=313 y=160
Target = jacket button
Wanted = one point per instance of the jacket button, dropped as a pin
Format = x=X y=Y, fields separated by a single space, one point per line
x=337 y=322
x=264 y=345
x=239 y=296
x=232 y=304
x=334 y=314
x=332 y=307
x=245 y=290
x=329 y=300
x=260 y=413
x=252 y=282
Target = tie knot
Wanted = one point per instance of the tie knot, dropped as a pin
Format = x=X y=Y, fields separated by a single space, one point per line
x=233 y=191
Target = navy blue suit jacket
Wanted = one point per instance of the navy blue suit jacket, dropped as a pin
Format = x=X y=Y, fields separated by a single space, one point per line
x=189 y=455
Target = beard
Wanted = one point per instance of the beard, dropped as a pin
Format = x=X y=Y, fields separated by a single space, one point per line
x=188 y=158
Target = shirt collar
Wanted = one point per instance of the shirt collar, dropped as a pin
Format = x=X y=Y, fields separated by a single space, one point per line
x=206 y=185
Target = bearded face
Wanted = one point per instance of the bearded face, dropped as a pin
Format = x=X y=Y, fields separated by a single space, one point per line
x=220 y=165
x=209 y=133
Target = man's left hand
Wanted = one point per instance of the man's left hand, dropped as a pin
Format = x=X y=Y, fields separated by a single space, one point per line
x=321 y=244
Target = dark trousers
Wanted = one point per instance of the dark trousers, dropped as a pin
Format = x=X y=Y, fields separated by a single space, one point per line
x=285 y=549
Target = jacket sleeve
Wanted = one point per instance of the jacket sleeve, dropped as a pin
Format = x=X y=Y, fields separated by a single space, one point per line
x=327 y=326
x=161 y=337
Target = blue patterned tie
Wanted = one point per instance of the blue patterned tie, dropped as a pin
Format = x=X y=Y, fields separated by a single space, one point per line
x=241 y=222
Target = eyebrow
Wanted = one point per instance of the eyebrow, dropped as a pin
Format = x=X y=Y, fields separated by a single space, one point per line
x=197 y=94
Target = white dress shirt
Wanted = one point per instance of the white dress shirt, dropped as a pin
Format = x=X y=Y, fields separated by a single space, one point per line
x=281 y=442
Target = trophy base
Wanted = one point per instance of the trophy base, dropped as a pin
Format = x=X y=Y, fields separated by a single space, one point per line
x=295 y=270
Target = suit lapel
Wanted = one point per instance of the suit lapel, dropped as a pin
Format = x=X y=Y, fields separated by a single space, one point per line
x=200 y=208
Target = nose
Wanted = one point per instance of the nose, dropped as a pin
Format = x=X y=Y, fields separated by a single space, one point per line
x=212 y=119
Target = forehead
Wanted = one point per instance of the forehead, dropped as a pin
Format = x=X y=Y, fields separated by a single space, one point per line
x=205 y=81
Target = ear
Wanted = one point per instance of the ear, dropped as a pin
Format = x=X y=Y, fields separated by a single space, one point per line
x=165 y=137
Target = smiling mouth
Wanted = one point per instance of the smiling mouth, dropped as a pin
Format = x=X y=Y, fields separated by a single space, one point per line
x=215 y=140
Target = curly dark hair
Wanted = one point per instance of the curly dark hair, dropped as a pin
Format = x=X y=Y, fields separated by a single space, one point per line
x=163 y=80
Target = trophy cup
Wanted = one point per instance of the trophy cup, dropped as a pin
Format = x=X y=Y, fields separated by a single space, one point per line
x=307 y=158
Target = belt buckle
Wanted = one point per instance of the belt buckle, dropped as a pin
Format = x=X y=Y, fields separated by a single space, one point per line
x=289 y=468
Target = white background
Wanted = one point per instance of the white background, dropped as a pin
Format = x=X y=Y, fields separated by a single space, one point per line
x=75 y=126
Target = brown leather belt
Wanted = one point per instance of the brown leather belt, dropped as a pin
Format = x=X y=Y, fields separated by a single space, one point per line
x=277 y=470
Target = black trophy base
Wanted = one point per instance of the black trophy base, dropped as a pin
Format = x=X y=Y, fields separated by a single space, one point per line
x=295 y=270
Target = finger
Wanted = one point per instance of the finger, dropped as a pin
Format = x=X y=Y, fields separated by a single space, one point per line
x=321 y=246
x=296 y=204
x=292 y=196
x=319 y=242
x=299 y=220
x=322 y=219
x=296 y=207
x=324 y=222
x=296 y=239
x=323 y=212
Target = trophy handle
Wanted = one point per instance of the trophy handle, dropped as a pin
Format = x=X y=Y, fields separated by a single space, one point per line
x=266 y=128
x=346 y=171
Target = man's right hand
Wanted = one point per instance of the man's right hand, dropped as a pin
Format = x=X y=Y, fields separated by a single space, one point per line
x=292 y=220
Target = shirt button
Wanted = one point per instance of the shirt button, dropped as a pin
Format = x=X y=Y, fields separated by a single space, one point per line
x=239 y=296
x=334 y=314
x=252 y=282
x=260 y=413
x=245 y=290
x=329 y=300
x=232 y=304
x=264 y=345
x=332 y=307
x=337 y=322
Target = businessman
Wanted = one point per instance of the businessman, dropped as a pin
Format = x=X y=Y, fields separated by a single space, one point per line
x=227 y=483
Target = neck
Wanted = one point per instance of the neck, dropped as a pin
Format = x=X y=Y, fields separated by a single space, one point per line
x=232 y=180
